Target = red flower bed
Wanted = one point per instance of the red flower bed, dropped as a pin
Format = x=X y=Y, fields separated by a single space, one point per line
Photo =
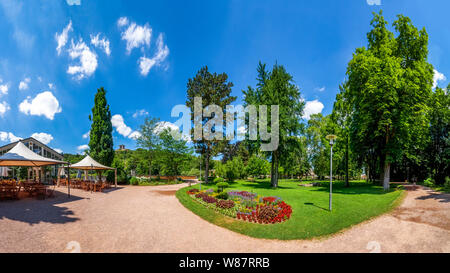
x=192 y=191
x=268 y=214
x=209 y=199
x=225 y=204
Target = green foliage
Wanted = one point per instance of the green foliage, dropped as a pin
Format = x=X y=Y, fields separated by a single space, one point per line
x=222 y=195
x=149 y=139
x=214 y=89
x=231 y=170
x=134 y=181
x=438 y=152
x=388 y=88
x=429 y=182
x=257 y=166
x=174 y=151
x=219 y=180
x=110 y=176
x=101 y=146
x=278 y=88
x=221 y=186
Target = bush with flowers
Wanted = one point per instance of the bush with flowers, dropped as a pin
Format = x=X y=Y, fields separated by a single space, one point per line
x=245 y=206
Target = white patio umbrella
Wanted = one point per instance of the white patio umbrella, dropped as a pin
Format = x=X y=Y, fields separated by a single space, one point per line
x=88 y=163
x=21 y=156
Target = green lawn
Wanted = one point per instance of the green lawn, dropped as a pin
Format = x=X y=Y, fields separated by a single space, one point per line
x=310 y=217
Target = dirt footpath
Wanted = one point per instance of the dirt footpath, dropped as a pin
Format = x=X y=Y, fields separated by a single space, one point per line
x=150 y=219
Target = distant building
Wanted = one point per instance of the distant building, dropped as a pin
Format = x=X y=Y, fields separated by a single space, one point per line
x=36 y=146
x=122 y=148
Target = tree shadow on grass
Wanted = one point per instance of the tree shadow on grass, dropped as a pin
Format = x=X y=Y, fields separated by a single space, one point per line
x=355 y=188
x=33 y=211
x=314 y=205
x=262 y=185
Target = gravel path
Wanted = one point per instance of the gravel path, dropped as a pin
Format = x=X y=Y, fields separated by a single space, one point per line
x=150 y=219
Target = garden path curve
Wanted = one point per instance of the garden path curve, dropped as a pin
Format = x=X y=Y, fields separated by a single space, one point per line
x=150 y=219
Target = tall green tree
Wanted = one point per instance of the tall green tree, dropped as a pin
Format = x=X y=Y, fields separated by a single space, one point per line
x=101 y=146
x=341 y=117
x=389 y=85
x=149 y=139
x=214 y=89
x=257 y=166
x=439 y=146
x=277 y=87
x=174 y=151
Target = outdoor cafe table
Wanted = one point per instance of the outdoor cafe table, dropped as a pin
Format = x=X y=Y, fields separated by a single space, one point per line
x=33 y=188
x=9 y=191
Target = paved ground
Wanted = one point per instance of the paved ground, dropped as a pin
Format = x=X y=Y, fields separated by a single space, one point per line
x=150 y=219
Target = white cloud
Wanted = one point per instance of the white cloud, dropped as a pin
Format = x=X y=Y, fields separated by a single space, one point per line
x=23 y=85
x=43 y=137
x=137 y=36
x=4 y=107
x=373 y=2
x=312 y=107
x=438 y=77
x=145 y=64
x=140 y=113
x=135 y=135
x=73 y=2
x=123 y=21
x=88 y=60
x=162 y=51
x=85 y=136
x=3 y=89
x=44 y=104
x=320 y=89
x=101 y=43
x=51 y=85
x=58 y=150
x=163 y=125
x=62 y=38
x=9 y=137
x=83 y=147
x=118 y=123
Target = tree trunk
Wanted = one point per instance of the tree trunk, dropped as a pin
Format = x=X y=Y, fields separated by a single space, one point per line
x=347 y=183
x=274 y=173
x=207 y=166
x=386 y=175
x=150 y=168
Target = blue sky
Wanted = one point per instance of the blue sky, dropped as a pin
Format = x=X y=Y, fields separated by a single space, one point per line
x=55 y=54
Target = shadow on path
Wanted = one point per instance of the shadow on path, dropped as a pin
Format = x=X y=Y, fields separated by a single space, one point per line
x=33 y=211
x=441 y=197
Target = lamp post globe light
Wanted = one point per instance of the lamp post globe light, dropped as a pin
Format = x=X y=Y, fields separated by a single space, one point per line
x=332 y=139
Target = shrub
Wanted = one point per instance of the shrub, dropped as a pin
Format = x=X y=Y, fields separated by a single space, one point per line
x=222 y=195
x=134 y=181
x=222 y=185
x=428 y=183
x=447 y=183
x=218 y=180
x=225 y=204
x=110 y=177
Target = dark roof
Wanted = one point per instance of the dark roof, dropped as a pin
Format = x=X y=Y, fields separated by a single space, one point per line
x=28 y=139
